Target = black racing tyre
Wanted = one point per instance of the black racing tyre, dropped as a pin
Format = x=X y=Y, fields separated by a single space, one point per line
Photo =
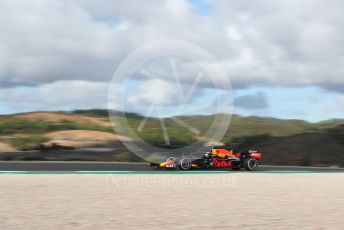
x=185 y=163
x=250 y=164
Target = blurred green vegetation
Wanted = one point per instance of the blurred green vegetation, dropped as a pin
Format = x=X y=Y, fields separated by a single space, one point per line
x=152 y=133
x=292 y=142
x=244 y=130
x=27 y=142
x=14 y=126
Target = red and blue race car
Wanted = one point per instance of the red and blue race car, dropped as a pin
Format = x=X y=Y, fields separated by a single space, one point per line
x=218 y=157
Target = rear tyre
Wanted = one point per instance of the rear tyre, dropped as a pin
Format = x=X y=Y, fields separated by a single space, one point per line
x=250 y=164
x=185 y=164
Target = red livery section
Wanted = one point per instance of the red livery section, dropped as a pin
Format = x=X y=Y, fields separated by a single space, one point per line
x=221 y=163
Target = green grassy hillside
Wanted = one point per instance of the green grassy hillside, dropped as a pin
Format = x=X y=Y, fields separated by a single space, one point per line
x=283 y=141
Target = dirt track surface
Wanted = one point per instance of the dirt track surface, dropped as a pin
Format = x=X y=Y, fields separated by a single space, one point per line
x=220 y=201
x=59 y=117
x=4 y=147
x=82 y=138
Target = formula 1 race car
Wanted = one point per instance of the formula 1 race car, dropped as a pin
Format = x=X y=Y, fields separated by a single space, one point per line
x=218 y=157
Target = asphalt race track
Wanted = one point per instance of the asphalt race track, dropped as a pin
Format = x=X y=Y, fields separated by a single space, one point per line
x=116 y=166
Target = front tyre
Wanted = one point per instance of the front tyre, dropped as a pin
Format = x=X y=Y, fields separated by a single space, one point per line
x=185 y=163
x=250 y=164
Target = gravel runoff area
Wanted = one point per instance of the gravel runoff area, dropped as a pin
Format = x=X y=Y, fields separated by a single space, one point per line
x=172 y=201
